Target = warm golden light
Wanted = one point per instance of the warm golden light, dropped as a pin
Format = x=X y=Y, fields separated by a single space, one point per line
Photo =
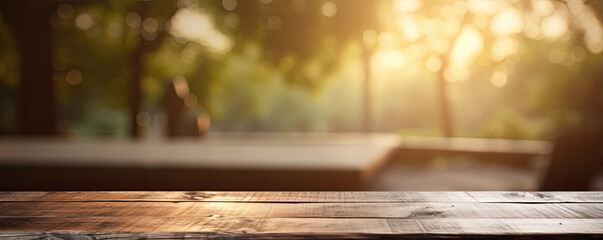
x=198 y=26
x=410 y=27
x=191 y=100
x=389 y=59
x=229 y=5
x=65 y=10
x=588 y=21
x=554 y=26
x=578 y=54
x=387 y=39
x=203 y=122
x=499 y=79
x=143 y=119
x=133 y=20
x=274 y=23
x=150 y=25
x=74 y=77
x=433 y=64
x=370 y=37
x=114 y=30
x=543 y=7
x=329 y=9
x=484 y=6
x=188 y=55
x=556 y=56
x=84 y=21
x=407 y=5
x=439 y=45
x=232 y=20
x=181 y=87
x=503 y=47
x=468 y=45
x=507 y=22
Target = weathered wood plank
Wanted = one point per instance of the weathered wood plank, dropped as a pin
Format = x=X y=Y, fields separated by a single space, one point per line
x=303 y=210
x=312 y=227
x=203 y=235
x=301 y=197
x=400 y=215
x=240 y=196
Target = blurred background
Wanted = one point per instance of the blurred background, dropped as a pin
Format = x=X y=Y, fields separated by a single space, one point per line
x=456 y=94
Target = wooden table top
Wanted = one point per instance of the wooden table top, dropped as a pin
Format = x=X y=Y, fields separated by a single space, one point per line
x=269 y=151
x=529 y=215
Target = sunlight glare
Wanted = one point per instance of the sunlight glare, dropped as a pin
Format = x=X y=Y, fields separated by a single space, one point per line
x=387 y=39
x=468 y=45
x=389 y=59
x=532 y=31
x=554 y=26
x=197 y=26
x=579 y=54
x=499 y=79
x=181 y=87
x=84 y=21
x=433 y=64
x=503 y=47
x=407 y=5
x=480 y=20
x=456 y=73
x=588 y=21
x=543 y=7
x=484 y=6
x=439 y=45
x=556 y=56
x=369 y=37
x=410 y=27
x=507 y=22
x=329 y=9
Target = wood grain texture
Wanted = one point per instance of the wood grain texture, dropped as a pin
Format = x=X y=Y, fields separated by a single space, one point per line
x=312 y=227
x=302 y=210
x=301 y=197
x=277 y=215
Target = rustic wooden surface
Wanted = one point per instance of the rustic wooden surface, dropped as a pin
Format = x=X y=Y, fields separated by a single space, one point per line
x=410 y=215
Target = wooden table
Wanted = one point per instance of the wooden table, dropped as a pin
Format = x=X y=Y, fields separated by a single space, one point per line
x=400 y=215
x=221 y=161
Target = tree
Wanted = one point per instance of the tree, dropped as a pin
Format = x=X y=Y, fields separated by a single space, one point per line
x=300 y=33
x=459 y=33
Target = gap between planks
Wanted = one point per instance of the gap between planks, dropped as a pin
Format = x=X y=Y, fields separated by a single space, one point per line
x=307 y=197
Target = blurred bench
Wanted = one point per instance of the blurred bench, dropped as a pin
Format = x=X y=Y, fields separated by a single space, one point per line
x=218 y=162
x=514 y=152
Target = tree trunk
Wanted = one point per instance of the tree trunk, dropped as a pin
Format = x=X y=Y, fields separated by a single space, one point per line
x=135 y=93
x=144 y=9
x=29 y=20
x=366 y=91
x=445 y=116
